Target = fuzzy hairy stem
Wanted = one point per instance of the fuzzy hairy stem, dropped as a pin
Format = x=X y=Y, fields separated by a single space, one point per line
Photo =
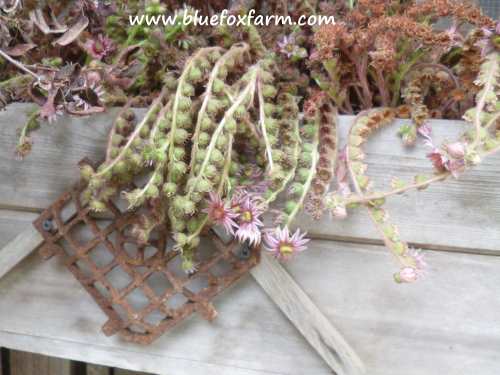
x=374 y=120
x=238 y=49
x=220 y=189
x=262 y=124
x=250 y=87
x=178 y=94
x=151 y=112
x=311 y=173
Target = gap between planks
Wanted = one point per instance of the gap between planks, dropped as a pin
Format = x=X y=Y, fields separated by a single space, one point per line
x=423 y=246
x=15 y=362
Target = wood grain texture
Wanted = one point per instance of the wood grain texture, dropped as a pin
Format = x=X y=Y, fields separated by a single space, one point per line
x=468 y=209
x=319 y=332
x=22 y=363
x=19 y=248
x=296 y=305
x=446 y=324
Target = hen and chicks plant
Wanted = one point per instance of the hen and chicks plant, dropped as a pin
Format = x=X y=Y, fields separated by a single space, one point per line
x=216 y=147
x=243 y=132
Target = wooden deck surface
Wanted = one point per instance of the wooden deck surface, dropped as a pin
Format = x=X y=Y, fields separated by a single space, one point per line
x=448 y=323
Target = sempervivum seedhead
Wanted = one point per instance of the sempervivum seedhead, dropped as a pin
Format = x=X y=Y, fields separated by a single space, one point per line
x=213 y=127
x=305 y=174
x=285 y=127
x=363 y=126
x=325 y=169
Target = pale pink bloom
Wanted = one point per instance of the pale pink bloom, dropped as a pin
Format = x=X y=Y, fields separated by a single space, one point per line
x=454 y=34
x=486 y=43
x=442 y=163
x=425 y=131
x=282 y=244
x=289 y=47
x=248 y=221
x=418 y=257
x=410 y=274
x=456 y=150
x=220 y=213
x=407 y=275
x=438 y=159
x=339 y=212
x=455 y=167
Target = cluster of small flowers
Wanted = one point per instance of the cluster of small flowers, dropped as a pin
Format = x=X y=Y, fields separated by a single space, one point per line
x=410 y=274
x=241 y=217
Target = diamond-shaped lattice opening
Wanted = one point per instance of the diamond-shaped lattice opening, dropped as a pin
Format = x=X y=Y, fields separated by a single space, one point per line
x=101 y=256
x=81 y=233
x=118 y=278
x=120 y=310
x=120 y=203
x=136 y=328
x=205 y=253
x=137 y=299
x=177 y=301
x=67 y=248
x=102 y=224
x=142 y=288
x=141 y=269
x=68 y=211
x=197 y=284
x=103 y=291
x=159 y=283
x=85 y=268
x=156 y=317
x=149 y=252
x=132 y=250
x=175 y=267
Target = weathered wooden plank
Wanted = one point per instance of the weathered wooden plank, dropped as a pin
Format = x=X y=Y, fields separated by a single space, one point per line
x=80 y=313
x=468 y=210
x=15 y=246
x=19 y=248
x=50 y=169
x=12 y=223
x=318 y=331
x=23 y=363
x=447 y=323
x=296 y=305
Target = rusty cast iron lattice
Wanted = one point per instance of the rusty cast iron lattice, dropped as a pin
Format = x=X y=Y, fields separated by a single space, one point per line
x=140 y=287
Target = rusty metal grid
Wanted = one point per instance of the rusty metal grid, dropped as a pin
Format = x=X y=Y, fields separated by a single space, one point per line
x=96 y=251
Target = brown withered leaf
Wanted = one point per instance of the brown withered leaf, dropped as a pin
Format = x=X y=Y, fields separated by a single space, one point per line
x=73 y=32
x=19 y=49
x=37 y=17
